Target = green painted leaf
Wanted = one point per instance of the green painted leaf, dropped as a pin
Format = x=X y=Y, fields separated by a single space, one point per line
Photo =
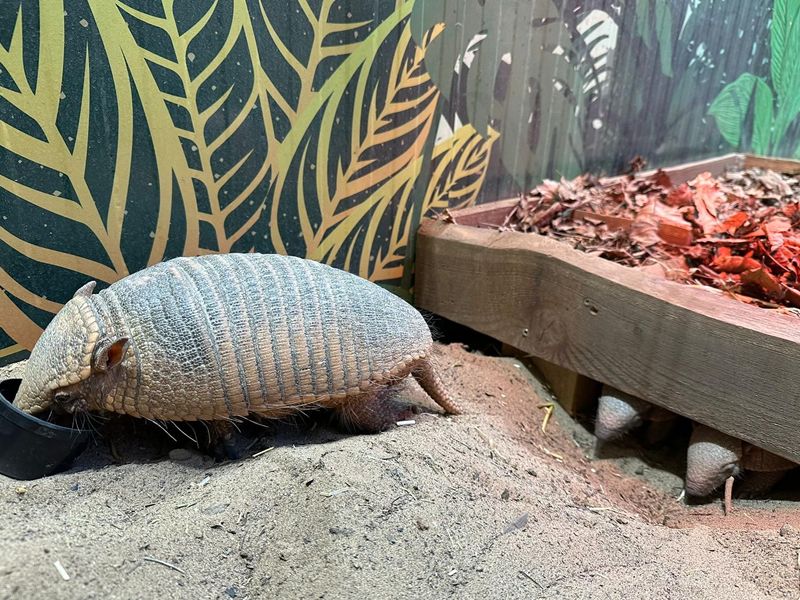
x=785 y=42
x=784 y=66
x=643 y=21
x=730 y=107
x=664 y=35
x=763 y=117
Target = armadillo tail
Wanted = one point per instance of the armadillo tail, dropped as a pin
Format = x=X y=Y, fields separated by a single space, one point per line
x=429 y=380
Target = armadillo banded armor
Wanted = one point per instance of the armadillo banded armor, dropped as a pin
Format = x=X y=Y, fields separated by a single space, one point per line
x=233 y=334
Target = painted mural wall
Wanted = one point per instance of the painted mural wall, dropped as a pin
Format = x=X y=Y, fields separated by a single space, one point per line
x=132 y=131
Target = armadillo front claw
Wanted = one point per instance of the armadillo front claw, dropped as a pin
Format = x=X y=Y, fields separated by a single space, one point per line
x=222 y=441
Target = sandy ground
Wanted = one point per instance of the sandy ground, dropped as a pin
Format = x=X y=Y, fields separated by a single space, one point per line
x=482 y=505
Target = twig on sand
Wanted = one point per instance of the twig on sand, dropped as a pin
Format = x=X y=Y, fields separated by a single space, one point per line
x=264 y=451
x=409 y=493
x=598 y=509
x=489 y=442
x=61 y=570
x=548 y=411
x=552 y=454
x=164 y=563
x=539 y=585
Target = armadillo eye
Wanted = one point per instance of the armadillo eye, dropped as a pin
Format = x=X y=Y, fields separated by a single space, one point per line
x=61 y=398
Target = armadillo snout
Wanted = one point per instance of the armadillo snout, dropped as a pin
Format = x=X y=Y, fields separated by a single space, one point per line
x=711 y=458
x=617 y=414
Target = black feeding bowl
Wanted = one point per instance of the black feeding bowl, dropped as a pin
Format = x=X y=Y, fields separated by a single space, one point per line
x=30 y=447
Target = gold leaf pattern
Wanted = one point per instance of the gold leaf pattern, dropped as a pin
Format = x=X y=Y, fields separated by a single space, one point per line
x=408 y=88
x=211 y=189
x=459 y=168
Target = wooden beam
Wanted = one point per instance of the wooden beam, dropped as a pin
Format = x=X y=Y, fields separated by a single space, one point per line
x=782 y=165
x=575 y=393
x=716 y=166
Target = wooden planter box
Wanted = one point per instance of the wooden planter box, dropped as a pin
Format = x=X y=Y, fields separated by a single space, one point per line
x=693 y=350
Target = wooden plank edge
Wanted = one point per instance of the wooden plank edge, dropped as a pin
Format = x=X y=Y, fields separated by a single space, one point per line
x=783 y=165
x=493 y=213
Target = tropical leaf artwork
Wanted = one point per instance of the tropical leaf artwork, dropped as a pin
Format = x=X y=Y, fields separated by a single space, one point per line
x=757 y=112
x=132 y=132
x=338 y=203
x=510 y=67
x=459 y=168
x=654 y=22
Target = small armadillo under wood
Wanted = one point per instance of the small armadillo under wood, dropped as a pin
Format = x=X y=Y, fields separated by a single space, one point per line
x=713 y=457
x=220 y=336
x=619 y=413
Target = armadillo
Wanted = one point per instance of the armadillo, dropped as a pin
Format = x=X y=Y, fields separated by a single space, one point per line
x=221 y=336
x=714 y=457
x=619 y=413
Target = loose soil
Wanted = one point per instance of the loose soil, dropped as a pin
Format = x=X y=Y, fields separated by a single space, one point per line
x=483 y=505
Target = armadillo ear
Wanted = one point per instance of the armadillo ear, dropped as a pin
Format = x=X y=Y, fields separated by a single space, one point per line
x=85 y=290
x=109 y=353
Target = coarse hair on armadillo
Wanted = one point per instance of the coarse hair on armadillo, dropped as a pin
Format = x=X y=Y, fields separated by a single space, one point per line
x=220 y=336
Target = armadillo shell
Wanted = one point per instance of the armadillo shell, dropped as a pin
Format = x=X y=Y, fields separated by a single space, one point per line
x=223 y=335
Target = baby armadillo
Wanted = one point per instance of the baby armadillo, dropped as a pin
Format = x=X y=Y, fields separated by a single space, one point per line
x=714 y=458
x=221 y=336
x=619 y=413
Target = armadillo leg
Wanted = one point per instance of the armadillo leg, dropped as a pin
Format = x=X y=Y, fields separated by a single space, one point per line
x=429 y=380
x=221 y=440
x=373 y=412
